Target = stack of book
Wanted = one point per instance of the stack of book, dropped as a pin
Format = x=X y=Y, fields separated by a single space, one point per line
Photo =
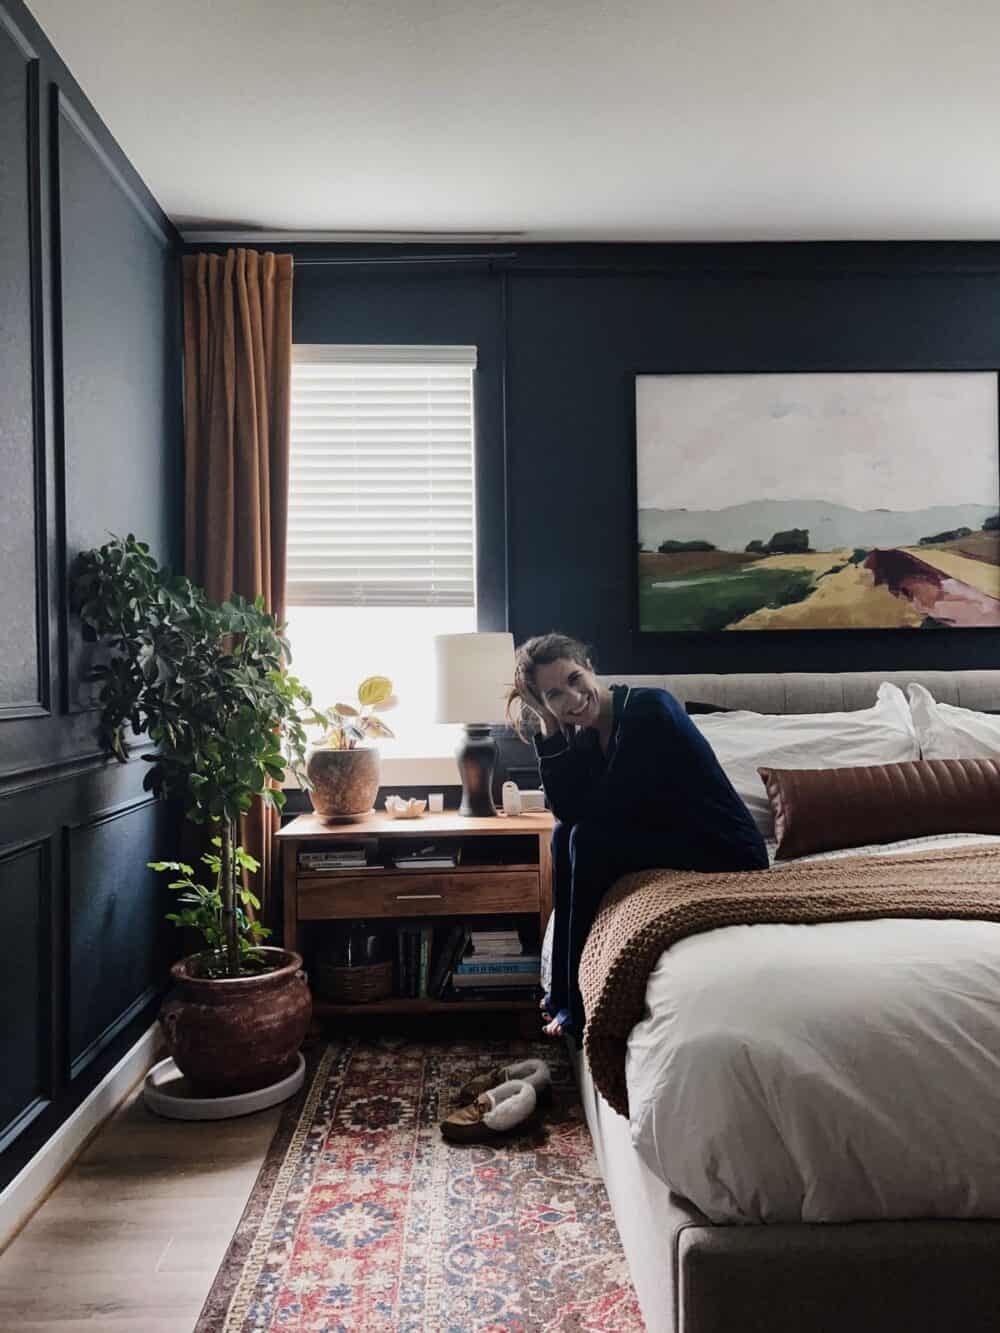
x=342 y=856
x=429 y=857
x=495 y=943
x=496 y=967
x=438 y=962
x=425 y=956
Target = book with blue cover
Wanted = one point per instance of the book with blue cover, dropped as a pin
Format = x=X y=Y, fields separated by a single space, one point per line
x=474 y=965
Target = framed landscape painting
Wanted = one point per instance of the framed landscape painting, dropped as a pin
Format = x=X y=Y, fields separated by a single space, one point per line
x=862 y=500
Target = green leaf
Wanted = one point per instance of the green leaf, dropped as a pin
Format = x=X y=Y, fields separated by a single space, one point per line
x=171 y=865
x=206 y=682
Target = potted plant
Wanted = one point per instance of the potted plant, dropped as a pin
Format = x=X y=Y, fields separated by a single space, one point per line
x=342 y=768
x=208 y=684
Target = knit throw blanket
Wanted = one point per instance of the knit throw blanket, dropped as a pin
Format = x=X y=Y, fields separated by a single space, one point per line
x=643 y=914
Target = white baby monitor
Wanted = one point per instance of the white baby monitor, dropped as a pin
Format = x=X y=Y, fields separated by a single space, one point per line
x=511 y=798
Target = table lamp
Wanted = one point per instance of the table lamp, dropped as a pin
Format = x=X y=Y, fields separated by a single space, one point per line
x=474 y=673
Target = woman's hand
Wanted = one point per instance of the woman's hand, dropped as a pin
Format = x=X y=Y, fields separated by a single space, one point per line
x=549 y=724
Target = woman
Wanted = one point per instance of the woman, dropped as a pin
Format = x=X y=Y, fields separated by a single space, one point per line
x=634 y=786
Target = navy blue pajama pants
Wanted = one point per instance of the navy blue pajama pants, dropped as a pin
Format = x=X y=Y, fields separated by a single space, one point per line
x=587 y=858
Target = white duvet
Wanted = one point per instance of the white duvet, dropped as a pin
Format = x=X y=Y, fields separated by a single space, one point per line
x=825 y=1073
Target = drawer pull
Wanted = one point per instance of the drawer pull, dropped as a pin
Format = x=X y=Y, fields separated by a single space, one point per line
x=409 y=897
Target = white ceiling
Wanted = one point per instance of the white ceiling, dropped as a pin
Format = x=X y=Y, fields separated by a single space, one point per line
x=594 y=120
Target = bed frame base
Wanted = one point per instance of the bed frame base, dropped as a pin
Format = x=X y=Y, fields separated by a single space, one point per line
x=692 y=1276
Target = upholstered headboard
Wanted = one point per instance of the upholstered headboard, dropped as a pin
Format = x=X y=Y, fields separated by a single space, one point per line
x=816 y=692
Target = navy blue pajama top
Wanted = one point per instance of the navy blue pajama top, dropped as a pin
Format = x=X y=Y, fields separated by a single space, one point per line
x=660 y=774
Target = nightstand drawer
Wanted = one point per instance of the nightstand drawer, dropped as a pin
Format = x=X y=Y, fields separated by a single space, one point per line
x=450 y=894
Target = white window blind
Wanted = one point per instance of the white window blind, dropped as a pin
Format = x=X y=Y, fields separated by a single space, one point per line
x=381 y=500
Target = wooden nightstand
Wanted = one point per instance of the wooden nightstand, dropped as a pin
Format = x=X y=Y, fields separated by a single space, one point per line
x=478 y=886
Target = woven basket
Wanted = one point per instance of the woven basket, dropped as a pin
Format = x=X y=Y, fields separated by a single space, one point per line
x=353 y=985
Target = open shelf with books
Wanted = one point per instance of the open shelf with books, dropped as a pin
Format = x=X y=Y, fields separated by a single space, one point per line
x=458 y=905
x=446 y=961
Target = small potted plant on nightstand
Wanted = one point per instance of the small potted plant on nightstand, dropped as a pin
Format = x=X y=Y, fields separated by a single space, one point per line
x=207 y=683
x=342 y=768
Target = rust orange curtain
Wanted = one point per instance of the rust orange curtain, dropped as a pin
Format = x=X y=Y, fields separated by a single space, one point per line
x=237 y=386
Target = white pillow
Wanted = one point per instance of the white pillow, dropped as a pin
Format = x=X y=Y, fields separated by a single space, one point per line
x=742 y=741
x=947 y=732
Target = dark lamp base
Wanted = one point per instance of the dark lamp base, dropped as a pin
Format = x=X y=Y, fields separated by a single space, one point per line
x=476 y=757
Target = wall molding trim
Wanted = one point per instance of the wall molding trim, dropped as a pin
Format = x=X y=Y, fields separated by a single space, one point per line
x=66 y=109
x=18 y=36
x=110 y=1032
x=40 y=704
x=24 y=779
x=95 y=818
x=248 y=236
x=37 y=1179
x=49 y=1067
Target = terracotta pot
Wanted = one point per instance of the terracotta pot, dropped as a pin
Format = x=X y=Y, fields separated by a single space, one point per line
x=345 y=782
x=237 y=1034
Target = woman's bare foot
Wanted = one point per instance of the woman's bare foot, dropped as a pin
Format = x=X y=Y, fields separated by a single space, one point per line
x=558 y=1025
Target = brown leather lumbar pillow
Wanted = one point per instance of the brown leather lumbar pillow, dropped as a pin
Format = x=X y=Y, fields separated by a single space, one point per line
x=821 y=809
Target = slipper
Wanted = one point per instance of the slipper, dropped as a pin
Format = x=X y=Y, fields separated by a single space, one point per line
x=494 y=1114
x=535 y=1072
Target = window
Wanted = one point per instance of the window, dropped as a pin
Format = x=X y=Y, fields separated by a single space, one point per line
x=381 y=524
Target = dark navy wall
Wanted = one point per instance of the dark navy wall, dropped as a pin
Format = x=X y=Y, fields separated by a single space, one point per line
x=563 y=330
x=576 y=341
x=90 y=442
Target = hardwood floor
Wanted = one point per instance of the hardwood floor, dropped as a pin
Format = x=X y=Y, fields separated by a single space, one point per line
x=132 y=1238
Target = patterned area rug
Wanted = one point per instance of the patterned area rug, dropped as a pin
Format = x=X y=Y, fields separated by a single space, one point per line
x=364 y=1220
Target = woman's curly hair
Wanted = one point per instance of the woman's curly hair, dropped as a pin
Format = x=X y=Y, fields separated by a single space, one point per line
x=536 y=652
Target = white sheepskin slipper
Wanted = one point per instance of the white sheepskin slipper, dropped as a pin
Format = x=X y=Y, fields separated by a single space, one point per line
x=535 y=1072
x=494 y=1113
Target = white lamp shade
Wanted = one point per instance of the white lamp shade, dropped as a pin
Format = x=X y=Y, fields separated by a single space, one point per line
x=474 y=674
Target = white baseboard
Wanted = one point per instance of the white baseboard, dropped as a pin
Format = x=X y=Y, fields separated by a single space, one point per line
x=39 y=1176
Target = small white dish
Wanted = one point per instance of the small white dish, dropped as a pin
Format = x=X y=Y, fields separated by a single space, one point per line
x=400 y=808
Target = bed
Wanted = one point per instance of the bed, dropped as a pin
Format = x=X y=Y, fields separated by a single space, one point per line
x=719 y=1269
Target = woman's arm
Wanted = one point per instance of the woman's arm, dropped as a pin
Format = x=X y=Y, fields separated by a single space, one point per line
x=563 y=767
x=566 y=777
x=653 y=753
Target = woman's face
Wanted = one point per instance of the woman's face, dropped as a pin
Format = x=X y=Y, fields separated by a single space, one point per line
x=571 y=692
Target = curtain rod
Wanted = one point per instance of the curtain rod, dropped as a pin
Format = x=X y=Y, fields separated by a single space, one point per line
x=318 y=261
x=331 y=261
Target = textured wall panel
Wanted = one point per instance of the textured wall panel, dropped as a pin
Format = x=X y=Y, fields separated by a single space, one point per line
x=115 y=929
x=23 y=671
x=90 y=442
x=119 y=391
x=25 y=986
